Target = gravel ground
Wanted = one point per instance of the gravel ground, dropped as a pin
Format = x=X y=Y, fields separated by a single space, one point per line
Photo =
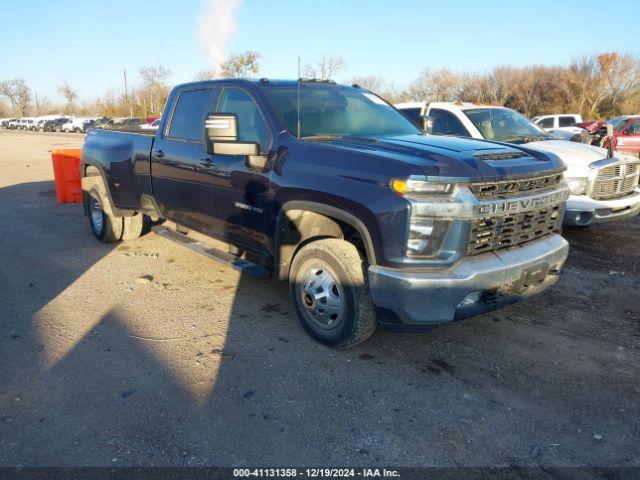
x=145 y=353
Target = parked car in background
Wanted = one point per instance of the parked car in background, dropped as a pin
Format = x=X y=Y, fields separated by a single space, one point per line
x=626 y=135
x=5 y=123
x=603 y=188
x=150 y=126
x=78 y=125
x=26 y=123
x=13 y=124
x=127 y=124
x=37 y=123
x=566 y=122
x=103 y=122
x=53 y=124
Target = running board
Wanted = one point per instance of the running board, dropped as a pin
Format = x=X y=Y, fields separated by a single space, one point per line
x=233 y=261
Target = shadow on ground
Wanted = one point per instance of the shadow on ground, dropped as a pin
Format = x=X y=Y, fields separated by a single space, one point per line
x=550 y=381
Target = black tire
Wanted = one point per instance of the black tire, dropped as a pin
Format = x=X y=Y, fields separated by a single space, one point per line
x=106 y=227
x=333 y=268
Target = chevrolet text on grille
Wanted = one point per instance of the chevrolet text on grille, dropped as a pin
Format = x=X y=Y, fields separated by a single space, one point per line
x=523 y=204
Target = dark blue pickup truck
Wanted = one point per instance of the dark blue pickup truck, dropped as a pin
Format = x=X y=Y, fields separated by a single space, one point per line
x=328 y=186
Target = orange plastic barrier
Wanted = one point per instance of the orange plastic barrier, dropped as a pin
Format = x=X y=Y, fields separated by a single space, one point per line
x=66 y=169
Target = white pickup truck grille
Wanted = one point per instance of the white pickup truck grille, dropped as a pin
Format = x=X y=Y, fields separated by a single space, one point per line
x=616 y=181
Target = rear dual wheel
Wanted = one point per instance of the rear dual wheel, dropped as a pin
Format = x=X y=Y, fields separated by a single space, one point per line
x=107 y=227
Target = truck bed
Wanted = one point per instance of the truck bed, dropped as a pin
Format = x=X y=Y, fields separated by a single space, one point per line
x=124 y=157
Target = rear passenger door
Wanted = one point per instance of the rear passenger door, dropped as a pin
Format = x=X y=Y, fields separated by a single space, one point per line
x=177 y=152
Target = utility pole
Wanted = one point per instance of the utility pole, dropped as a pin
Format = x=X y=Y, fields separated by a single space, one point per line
x=37 y=105
x=126 y=94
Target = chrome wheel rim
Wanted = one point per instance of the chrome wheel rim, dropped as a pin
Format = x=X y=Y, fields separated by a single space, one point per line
x=96 y=215
x=322 y=297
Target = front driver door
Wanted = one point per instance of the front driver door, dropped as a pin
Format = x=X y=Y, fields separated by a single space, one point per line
x=629 y=141
x=234 y=198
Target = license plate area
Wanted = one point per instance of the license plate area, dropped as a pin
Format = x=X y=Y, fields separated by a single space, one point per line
x=530 y=277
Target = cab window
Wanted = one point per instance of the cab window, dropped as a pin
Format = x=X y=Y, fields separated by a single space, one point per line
x=446 y=123
x=546 y=122
x=413 y=114
x=251 y=125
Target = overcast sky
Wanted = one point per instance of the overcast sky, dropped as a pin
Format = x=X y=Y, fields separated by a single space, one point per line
x=89 y=43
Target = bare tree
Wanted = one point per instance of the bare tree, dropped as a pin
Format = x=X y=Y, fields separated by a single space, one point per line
x=240 y=66
x=435 y=86
x=18 y=94
x=70 y=95
x=150 y=96
x=325 y=68
x=205 y=75
x=369 y=82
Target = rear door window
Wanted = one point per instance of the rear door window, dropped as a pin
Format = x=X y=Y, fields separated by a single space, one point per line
x=567 y=121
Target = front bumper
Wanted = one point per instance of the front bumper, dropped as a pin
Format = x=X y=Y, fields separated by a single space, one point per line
x=583 y=210
x=474 y=285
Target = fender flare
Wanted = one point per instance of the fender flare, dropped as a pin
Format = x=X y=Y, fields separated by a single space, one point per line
x=282 y=258
x=88 y=182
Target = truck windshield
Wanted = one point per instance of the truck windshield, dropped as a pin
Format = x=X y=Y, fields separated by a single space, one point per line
x=617 y=123
x=505 y=125
x=329 y=110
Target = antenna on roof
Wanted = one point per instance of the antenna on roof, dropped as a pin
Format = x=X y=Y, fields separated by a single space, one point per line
x=298 y=102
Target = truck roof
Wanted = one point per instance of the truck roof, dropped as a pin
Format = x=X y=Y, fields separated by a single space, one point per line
x=255 y=81
x=447 y=105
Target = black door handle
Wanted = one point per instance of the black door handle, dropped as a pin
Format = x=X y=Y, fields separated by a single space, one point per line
x=158 y=153
x=207 y=162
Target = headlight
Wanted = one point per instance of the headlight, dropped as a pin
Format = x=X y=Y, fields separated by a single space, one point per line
x=425 y=236
x=413 y=186
x=577 y=185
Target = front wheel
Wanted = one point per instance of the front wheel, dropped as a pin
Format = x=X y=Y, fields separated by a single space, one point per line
x=329 y=291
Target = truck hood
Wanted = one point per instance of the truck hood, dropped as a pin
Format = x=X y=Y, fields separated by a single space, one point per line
x=456 y=158
x=574 y=154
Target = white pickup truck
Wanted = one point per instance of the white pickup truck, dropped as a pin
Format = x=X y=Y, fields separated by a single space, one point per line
x=565 y=122
x=603 y=188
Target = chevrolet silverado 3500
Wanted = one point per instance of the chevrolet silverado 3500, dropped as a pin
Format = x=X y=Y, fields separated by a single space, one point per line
x=331 y=188
x=603 y=188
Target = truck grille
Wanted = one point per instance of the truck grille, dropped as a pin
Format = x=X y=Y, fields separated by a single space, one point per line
x=513 y=187
x=616 y=181
x=493 y=233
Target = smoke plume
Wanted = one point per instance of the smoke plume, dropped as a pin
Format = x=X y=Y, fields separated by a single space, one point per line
x=216 y=27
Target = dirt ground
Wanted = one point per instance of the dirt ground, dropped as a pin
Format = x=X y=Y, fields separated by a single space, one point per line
x=145 y=353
